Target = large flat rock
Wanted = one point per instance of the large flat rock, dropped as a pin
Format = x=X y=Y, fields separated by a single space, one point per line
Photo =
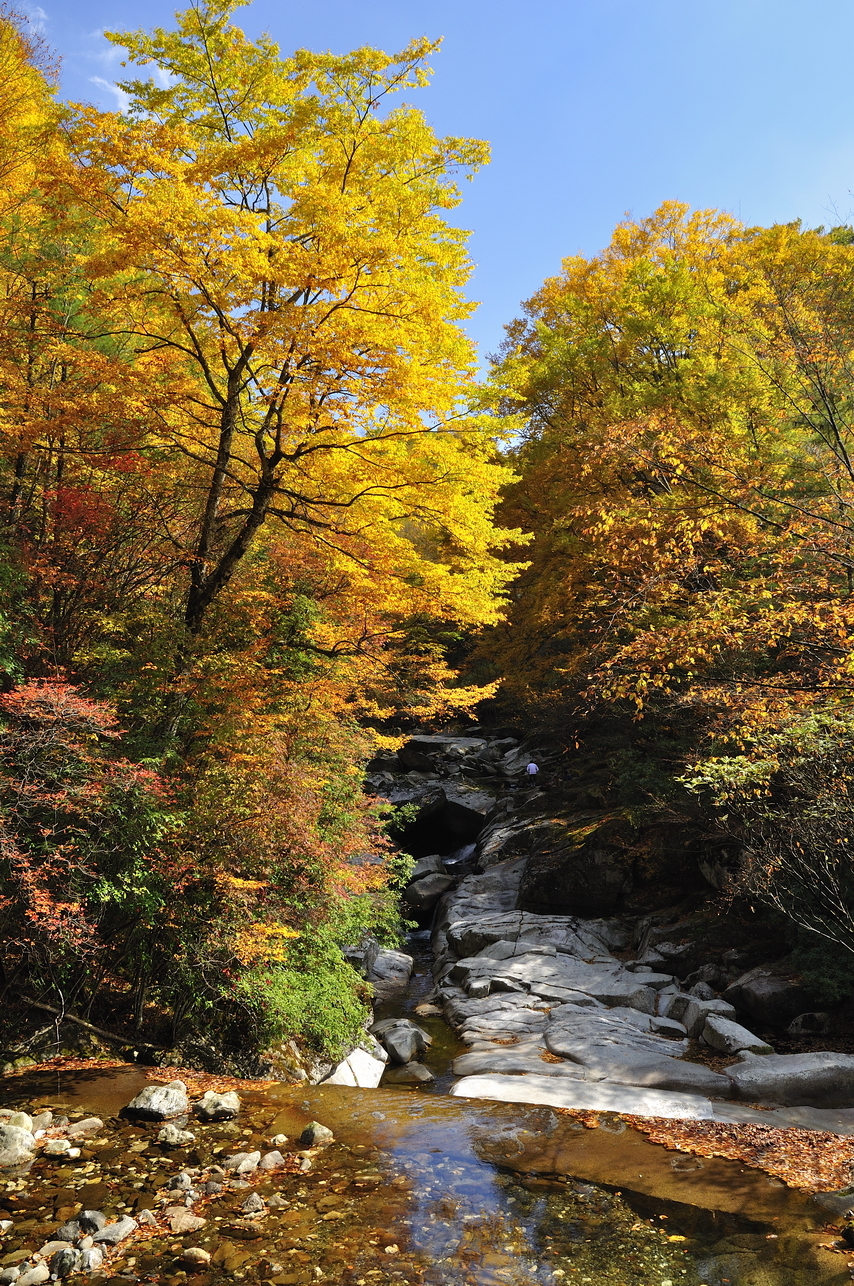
x=514 y=1060
x=562 y=1091
x=552 y=977
x=823 y=1079
x=661 y=1074
x=591 y=1036
x=512 y=1027
x=459 y=1007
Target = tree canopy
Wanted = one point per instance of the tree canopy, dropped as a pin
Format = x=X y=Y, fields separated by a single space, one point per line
x=248 y=490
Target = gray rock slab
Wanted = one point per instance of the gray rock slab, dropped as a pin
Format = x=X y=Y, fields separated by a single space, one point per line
x=618 y=991
x=513 y=1061
x=563 y=1091
x=459 y=1007
x=643 y=1022
x=661 y=1073
x=823 y=1079
x=470 y=933
x=502 y=950
x=836 y=1121
x=529 y=1043
x=474 y=1032
x=577 y=999
x=549 y=993
x=541 y=974
x=584 y=1035
x=731 y=1038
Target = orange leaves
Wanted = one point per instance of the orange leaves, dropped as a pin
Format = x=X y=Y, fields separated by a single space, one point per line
x=810 y=1160
x=686 y=469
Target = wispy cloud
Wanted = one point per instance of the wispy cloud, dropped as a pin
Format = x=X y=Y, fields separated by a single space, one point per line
x=36 y=17
x=122 y=99
x=106 y=52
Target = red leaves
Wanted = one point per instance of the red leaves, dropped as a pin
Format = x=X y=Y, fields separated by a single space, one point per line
x=57 y=705
x=62 y=799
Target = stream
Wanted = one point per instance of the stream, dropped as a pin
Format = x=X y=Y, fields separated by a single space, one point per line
x=418 y=1188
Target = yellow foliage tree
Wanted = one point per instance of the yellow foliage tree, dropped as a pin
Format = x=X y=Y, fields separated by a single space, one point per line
x=271 y=243
x=687 y=415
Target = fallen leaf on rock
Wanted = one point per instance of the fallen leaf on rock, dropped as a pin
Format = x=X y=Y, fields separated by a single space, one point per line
x=588 y=1119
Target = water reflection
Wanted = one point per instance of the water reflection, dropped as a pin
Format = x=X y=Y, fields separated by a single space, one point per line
x=432 y=1191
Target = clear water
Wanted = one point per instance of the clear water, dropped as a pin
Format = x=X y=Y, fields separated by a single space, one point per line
x=426 y=1189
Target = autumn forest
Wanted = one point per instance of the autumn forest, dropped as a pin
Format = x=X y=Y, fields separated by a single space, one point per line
x=262 y=514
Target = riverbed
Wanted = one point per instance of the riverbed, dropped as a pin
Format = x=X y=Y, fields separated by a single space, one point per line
x=417 y=1187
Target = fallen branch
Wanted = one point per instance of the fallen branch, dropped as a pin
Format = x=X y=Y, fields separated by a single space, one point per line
x=81 y=1022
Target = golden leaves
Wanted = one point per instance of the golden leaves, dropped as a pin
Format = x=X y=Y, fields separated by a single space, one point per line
x=263 y=943
x=686 y=466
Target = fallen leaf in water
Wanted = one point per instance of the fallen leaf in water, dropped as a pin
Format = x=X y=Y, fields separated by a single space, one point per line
x=809 y=1160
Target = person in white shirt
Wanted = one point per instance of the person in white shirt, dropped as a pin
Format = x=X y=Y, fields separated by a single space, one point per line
x=531 y=769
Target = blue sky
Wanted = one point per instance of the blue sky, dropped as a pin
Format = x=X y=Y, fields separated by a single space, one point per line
x=594 y=108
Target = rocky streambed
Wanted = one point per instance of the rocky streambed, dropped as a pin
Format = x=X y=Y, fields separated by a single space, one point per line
x=482 y=1131
x=622 y=1012
x=397 y=1187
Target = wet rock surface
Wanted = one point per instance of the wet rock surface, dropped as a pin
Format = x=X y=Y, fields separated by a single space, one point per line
x=542 y=974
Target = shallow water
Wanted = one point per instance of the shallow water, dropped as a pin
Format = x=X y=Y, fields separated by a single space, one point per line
x=430 y=1189
x=446 y=1044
